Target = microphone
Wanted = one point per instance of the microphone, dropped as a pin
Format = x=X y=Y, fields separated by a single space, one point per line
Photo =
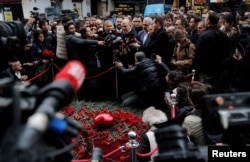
x=53 y=97
x=60 y=124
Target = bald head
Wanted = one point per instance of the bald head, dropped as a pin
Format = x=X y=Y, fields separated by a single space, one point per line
x=126 y=26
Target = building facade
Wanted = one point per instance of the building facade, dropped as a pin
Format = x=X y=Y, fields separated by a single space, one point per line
x=19 y=9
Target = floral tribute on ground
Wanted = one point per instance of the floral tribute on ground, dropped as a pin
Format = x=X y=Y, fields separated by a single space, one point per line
x=106 y=128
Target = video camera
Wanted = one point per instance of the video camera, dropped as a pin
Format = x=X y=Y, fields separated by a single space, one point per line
x=173 y=144
x=228 y=114
x=34 y=12
x=12 y=41
x=36 y=15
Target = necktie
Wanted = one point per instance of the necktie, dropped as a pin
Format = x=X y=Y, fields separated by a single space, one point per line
x=145 y=37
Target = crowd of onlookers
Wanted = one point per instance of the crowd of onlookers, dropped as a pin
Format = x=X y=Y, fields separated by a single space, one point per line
x=215 y=47
x=137 y=59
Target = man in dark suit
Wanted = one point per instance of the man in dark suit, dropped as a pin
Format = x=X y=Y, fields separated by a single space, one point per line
x=158 y=43
x=212 y=51
x=143 y=35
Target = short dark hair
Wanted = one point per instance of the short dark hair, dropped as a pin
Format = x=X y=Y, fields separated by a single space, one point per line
x=66 y=19
x=66 y=26
x=42 y=22
x=160 y=20
x=213 y=17
x=13 y=59
x=196 y=91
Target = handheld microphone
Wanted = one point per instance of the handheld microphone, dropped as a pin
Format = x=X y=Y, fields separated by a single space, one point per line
x=54 y=96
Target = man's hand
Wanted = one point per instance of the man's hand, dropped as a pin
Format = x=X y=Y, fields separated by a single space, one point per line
x=158 y=59
x=119 y=64
x=101 y=43
x=24 y=77
x=237 y=56
x=134 y=45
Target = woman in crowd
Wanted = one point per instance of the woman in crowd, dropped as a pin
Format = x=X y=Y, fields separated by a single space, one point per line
x=39 y=59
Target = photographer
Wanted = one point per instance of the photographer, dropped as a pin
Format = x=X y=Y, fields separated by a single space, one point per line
x=29 y=28
x=32 y=24
x=147 y=83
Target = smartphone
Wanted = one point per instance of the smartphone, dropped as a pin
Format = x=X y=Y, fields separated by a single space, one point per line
x=167 y=94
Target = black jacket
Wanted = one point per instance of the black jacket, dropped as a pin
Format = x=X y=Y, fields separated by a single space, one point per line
x=9 y=73
x=75 y=46
x=147 y=73
x=212 y=49
x=159 y=44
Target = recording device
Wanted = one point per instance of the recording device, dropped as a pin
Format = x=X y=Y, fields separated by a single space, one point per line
x=173 y=145
x=36 y=131
x=36 y=15
x=228 y=114
x=58 y=94
x=113 y=37
x=167 y=95
x=12 y=41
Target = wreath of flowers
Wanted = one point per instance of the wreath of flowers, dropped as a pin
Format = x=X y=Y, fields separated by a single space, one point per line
x=107 y=136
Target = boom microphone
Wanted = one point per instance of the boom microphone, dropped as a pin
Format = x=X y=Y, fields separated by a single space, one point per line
x=53 y=97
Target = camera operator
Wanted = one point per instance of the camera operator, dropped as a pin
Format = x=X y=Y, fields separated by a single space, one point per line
x=32 y=24
x=29 y=26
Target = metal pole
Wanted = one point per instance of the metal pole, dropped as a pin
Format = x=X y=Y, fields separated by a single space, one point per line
x=52 y=68
x=133 y=144
x=116 y=83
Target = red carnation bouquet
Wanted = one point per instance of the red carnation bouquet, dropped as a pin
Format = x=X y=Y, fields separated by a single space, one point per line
x=47 y=54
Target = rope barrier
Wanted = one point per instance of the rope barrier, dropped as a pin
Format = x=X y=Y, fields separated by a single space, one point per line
x=147 y=154
x=57 y=67
x=39 y=75
x=122 y=150
x=100 y=74
x=112 y=152
x=88 y=78
x=104 y=156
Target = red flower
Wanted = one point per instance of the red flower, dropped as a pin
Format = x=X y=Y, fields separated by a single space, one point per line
x=48 y=54
x=107 y=138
